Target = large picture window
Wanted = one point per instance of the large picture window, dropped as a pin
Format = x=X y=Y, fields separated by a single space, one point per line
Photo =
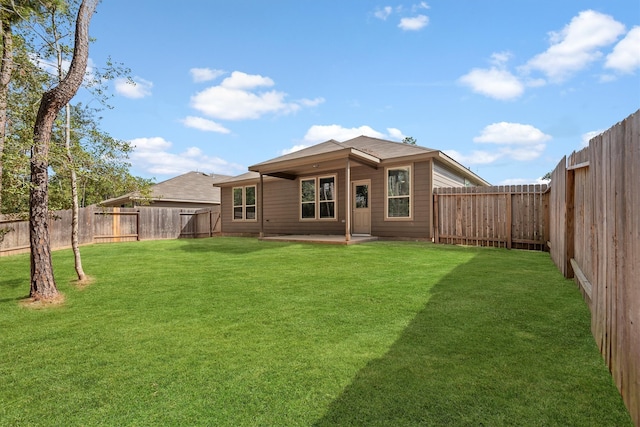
x=318 y=198
x=244 y=203
x=399 y=192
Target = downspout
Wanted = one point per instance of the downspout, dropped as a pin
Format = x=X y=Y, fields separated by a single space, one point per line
x=261 y=206
x=347 y=222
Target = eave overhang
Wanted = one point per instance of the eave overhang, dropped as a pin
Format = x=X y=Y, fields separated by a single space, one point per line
x=293 y=168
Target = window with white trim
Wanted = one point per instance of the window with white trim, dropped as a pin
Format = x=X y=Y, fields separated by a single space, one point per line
x=244 y=203
x=318 y=198
x=398 y=192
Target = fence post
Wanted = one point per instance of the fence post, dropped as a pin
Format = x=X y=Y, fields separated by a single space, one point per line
x=436 y=226
x=138 y=226
x=509 y=219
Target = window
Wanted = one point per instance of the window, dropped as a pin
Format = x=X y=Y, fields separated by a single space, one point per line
x=318 y=198
x=326 y=191
x=308 y=198
x=244 y=203
x=399 y=192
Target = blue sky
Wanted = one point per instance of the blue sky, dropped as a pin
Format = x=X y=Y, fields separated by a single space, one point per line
x=505 y=87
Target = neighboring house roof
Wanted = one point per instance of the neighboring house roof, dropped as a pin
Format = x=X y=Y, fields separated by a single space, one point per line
x=332 y=154
x=191 y=187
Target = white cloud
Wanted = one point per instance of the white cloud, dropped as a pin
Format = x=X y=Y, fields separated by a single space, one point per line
x=322 y=133
x=523 y=154
x=383 y=13
x=421 y=5
x=135 y=89
x=475 y=158
x=524 y=181
x=511 y=133
x=204 y=124
x=311 y=102
x=576 y=45
x=153 y=155
x=515 y=142
x=586 y=137
x=294 y=149
x=244 y=81
x=205 y=74
x=396 y=134
x=238 y=98
x=625 y=57
x=415 y=23
x=494 y=82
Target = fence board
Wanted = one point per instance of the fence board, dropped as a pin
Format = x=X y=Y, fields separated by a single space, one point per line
x=600 y=204
x=502 y=216
x=109 y=225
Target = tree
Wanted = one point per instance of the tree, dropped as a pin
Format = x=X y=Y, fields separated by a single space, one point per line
x=43 y=286
x=409 y=140
x=11 y=11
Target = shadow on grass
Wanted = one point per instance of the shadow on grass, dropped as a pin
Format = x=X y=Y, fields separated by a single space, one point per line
x=12 y=284
x=495 y=345
x=240 y=246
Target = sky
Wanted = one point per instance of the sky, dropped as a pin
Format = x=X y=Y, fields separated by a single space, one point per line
x=505 y=87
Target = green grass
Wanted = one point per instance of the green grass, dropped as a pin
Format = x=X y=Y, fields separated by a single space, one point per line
x=237 y=332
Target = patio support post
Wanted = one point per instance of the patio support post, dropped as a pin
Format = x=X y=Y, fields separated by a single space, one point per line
x=261 y=205
x=347 y=203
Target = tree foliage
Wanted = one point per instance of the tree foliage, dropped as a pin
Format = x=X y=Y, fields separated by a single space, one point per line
x=99 y=160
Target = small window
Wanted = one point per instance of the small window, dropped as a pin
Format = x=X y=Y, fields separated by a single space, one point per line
x=244 y=203
x=399 y=192
x=318 y=198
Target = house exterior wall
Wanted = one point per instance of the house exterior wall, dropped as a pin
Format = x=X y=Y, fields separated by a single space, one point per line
x=282 y=206
x=419 y=226
x=445 y=177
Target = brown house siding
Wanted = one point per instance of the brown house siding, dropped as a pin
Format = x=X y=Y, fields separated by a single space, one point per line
x=282 y=206
x=226 y=215
x=420 y=226
x=445 y=177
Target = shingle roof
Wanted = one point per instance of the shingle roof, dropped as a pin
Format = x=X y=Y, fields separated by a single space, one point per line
x=362 y=149
x=379 y=148
x=191 y=187
x=383 y=149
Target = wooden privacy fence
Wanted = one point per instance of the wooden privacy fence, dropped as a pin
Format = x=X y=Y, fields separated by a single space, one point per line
x=595 y=238
x=514 y=216
x=106 y=225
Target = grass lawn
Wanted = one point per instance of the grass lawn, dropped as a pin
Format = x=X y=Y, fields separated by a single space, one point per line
x=239 y=332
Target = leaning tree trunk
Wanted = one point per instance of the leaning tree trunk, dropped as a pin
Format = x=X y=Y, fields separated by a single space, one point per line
x=43 y=286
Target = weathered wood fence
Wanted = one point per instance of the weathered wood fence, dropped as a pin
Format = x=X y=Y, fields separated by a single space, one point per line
x=106 y=225
x=514 y=216
x=595 y=237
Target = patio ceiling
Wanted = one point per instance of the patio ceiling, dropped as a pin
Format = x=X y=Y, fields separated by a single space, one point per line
x=337 y=159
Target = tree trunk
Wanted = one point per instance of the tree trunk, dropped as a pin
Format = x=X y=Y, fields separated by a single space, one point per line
x=6 y=67
x=43 y=286
x=75 y=212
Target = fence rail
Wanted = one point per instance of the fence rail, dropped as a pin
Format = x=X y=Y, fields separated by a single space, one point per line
x=108 y=225
x=595 y=238
x=513 y=216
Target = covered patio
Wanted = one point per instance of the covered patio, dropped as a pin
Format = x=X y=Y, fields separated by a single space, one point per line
x=322 y=238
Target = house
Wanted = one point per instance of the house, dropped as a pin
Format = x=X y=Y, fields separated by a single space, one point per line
x=192 y=190
x=363 y=186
